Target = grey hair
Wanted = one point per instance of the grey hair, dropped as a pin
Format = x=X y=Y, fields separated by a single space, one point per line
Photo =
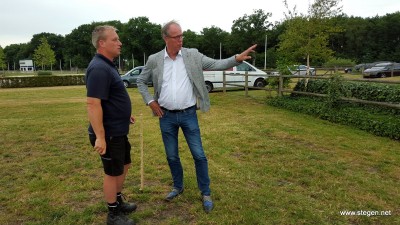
x=165 y=28
x=99 y=34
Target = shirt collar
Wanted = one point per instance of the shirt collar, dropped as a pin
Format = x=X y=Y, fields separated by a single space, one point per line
x=166 y=53
x=106 y=60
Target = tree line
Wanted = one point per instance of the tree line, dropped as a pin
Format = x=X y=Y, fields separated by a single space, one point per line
x=322 y=35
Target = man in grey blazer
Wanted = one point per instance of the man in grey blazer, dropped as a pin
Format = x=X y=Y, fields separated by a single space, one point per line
x=179 y=88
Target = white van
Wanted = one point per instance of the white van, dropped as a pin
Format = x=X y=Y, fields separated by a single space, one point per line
x=214 y=79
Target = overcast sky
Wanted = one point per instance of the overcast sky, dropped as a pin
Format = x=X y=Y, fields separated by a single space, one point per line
x=21 y=19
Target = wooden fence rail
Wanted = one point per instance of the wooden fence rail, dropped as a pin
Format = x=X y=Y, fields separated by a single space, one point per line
x=280 y=90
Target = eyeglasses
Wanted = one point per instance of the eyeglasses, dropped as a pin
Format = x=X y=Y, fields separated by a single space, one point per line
x=177 y=37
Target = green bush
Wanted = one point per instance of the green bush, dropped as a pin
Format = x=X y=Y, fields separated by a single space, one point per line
x=379 y=121
x=282 y=67
x=43 y=72
x=339 y=62
x=352 y=89
x=41 y=81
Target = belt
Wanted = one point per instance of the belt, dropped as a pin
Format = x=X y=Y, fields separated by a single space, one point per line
x=177 y=110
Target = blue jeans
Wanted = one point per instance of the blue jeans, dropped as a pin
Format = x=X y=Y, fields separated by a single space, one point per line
x=187 y=121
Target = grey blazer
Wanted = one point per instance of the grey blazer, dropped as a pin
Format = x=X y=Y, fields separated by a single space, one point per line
x=195 y=63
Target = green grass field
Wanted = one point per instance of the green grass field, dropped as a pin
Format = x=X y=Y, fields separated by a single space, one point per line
x=267 y=165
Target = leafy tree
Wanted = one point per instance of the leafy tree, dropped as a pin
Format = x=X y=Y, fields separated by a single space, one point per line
x=210 y=41
x=55 y=41
x=350 y=43
x=317 y=35
x=191 y=40
x=249 y=30
x=140 y=38
x=78 y=50
x=308 y=35
x=44 y=55
x=386 y=36
x=16 y=52
x=339 y=62
x=2 y=59
x=367 y=39
x=272 y=44
x=79 y=43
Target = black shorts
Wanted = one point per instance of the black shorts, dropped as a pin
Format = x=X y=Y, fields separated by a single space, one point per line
x=118 y=154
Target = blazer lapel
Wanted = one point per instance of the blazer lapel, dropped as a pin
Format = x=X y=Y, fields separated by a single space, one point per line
x=186 y=61
x=160 y=68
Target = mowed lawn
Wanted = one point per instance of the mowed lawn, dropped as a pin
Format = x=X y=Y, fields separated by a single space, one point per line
x=267 y=165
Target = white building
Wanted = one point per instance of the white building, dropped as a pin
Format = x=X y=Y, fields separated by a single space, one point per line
x=26 y=65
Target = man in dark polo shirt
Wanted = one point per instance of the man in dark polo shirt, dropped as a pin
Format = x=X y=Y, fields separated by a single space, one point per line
x=109 y=110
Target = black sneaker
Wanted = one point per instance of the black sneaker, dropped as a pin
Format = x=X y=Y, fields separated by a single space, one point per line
x=118 y=219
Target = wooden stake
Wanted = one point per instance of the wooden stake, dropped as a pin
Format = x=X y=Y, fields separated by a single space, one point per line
x=141 y=154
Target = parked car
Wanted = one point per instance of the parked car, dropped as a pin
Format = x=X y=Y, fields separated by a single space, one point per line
x=348 y=70
x=364 y=66
x=301 y=70
x=129 y=78
x=382 y=70
x=214 y=79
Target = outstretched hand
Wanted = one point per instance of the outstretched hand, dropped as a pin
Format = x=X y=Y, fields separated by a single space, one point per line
x=245 y=55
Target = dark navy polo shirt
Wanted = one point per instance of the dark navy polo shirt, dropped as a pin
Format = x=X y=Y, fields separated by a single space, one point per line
x=104 y=82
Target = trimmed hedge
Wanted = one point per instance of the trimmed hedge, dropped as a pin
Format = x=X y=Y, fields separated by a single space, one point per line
x=379 y=121
x=44 y=72
x=41 y=81
x=352 y=89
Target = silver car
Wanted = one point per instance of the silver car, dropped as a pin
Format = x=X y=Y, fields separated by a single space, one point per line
x=301 y=70
x=131 y=76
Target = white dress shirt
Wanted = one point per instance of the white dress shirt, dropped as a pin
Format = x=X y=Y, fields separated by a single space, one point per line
x=176 y=90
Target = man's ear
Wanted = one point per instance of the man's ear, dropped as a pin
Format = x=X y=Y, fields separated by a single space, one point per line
x=101 y=43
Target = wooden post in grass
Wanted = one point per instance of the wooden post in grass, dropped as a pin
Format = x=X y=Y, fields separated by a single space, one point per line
x=141 y=154
x=246 y=83
x=280 y=86
x=224 y=82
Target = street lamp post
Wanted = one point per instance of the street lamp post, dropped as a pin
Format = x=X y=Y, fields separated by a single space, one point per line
x=133 y=62
x=265 y=52
x=220 y=50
